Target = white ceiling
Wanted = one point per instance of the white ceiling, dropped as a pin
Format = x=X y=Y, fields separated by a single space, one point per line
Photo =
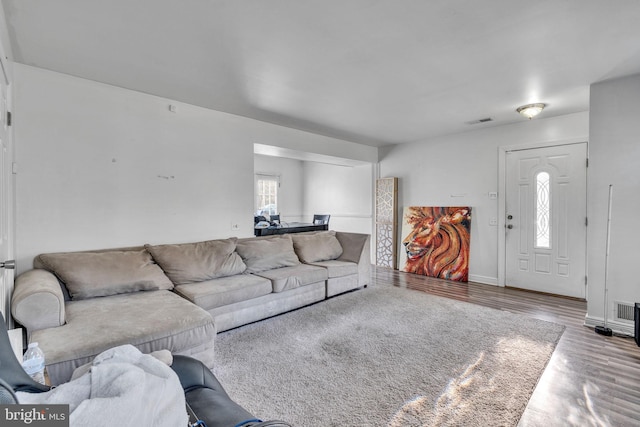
x=375 y=72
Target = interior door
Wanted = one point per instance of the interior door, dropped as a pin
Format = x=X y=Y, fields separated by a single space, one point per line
x=545 y=223
x=6 y=198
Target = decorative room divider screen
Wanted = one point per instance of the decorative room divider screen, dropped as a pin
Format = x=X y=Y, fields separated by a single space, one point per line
x=386 y=222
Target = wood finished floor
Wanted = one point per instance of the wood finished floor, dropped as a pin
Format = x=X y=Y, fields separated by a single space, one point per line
x=591 y=380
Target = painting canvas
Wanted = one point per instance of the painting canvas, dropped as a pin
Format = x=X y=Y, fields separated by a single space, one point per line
x=435 y=241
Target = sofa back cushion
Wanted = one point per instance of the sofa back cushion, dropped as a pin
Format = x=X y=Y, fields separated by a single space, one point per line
x=97 y=274
x=316 y=247
x=196 y=262
x=262 y=254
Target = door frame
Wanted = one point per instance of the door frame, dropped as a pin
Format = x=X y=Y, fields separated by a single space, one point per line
x=6 y=285
x=502 y=200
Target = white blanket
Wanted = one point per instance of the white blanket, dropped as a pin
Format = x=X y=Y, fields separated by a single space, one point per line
x=123 y=388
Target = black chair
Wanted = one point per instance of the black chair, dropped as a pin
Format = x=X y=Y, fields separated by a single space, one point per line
x=204 y=395
x=11 y=369
x=7 y=396
x=321 y=219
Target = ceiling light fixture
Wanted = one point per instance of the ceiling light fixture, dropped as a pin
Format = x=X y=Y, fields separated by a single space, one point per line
x=530 y=110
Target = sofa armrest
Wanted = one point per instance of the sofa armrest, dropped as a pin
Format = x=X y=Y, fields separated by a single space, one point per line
x=37 y=301
x=356 y=247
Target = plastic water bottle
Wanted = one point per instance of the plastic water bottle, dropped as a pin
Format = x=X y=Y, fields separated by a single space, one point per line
x=33 y=362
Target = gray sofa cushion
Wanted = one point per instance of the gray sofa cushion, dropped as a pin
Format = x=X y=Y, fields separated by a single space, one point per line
x=293 y=277
x=337 y=268
x=267 y=254
x=150 y=321
x=224 y=291
x=316 y=247
x=97 y=274
x=196 y=262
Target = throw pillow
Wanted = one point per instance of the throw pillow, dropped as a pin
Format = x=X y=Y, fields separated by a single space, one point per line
x=196 y=262
x=267 y=254
x=317 y=247
x=97 y=274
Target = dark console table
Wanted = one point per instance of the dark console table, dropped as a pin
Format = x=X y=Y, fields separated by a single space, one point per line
x=291 y=227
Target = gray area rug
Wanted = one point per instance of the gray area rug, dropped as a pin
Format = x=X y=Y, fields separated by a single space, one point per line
x=385 y=356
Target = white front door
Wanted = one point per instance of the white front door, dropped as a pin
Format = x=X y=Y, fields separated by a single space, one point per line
x=545 y=223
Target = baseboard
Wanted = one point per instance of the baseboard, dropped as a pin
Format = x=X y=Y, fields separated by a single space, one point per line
x=616 y=327
x=483 y=279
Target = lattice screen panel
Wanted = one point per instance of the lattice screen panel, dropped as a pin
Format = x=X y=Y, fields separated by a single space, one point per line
x=386 y=221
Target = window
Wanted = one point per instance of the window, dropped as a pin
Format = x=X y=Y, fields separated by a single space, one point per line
x=267 y=194
x=543 y=211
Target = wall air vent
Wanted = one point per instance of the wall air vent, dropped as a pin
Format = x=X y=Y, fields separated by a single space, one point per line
x=475 y=122
x=624 y=311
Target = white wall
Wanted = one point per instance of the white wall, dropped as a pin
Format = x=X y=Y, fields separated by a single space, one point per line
x=461 y=170
x=100 y=166
x=614 y=158
x=290 y=193
x=344 y=192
